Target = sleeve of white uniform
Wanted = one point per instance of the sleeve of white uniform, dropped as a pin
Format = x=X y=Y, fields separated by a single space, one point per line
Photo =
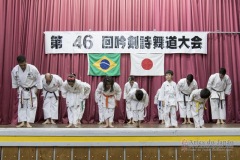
x=42 y=77
x=179 y=88
x=87 y=89
x=14 y=80
x=125 y=91
x=156 y=97
x=137 y=85
x=63 y=89
x=146 y=101
x=179 y=85
x=229 y=86
x=129 y=96
x=38 y=79
x=195 y=86
x=161 y=93
x=118 y=91
x=210 y=82
x=192 y=95
x=98 y=92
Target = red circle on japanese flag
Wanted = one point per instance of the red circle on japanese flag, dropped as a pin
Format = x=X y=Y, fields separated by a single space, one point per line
x=147 y=64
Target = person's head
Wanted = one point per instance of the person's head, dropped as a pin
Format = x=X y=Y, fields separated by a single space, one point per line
x=21 y=59
x=48 y=78
x=169 y=75
x=222 y=72
x=108 y=83
x=131 y=80
x=205 y=93
x=139 y=94
x=189 y=79
x=71 y=79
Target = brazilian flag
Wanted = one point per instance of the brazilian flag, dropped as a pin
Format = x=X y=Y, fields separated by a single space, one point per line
x=101 y=64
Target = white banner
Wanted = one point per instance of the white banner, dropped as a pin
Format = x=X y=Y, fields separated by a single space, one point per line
x=125 y=42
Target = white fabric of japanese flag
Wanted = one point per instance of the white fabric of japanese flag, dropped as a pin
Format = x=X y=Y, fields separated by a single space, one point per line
x=151 y=64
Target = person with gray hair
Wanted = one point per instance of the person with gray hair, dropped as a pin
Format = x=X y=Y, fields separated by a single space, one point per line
x=51 y=86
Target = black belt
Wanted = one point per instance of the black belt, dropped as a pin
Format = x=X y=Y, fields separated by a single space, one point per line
x=220 y=100
x=184 y=99
x=50 y=92
x=27 y=89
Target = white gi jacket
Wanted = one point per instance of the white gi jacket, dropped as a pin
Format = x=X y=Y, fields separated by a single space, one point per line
x=135 y=104
x=76 y=94
x=168 y=93
x=53 y=88
x=219 y=87
x=128 y=87
x=106 y=98
x=25 y=81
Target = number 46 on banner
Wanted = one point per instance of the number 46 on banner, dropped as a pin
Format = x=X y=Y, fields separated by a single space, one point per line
x=87 y=43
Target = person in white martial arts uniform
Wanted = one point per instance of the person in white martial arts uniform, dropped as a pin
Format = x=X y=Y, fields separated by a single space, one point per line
x=168 y=98
x=72 y=90
x=197 y=100
x=185 y=87
x=138 y=100
x=108 y=93
x=131 y=84
x=220 y=85
x=27 y=80
x=51 y=86
x=159 y=107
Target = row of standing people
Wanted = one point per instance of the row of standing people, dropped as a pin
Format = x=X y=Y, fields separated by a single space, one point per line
x=191 y=101
x=27 y=80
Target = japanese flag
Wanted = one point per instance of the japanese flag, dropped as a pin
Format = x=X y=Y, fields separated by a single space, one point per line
x=147 y=64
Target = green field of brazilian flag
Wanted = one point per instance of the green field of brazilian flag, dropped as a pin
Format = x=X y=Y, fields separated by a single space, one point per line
x=101 y=64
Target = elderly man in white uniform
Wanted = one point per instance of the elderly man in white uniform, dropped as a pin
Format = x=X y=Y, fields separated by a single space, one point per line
x=220 y=85
x=131 y=84
x=51 y=86
x=197 y=100
x=185 y=87
x=72 y=90
x=138 y=100
x=27 y=80
x=109 y=94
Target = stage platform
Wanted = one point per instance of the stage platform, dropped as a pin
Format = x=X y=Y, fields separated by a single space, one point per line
x=121 y=135
x=124 y=142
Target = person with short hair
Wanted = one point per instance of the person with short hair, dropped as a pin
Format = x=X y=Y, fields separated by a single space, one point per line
x=168 y=98
x=138 y=100
x=198 y=99
x=185 y=87
x=220 y=85
x=131 y=84
x=27 y=80
x=51 y=86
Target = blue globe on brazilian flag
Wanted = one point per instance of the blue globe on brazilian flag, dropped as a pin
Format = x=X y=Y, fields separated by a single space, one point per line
x=101 y=64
